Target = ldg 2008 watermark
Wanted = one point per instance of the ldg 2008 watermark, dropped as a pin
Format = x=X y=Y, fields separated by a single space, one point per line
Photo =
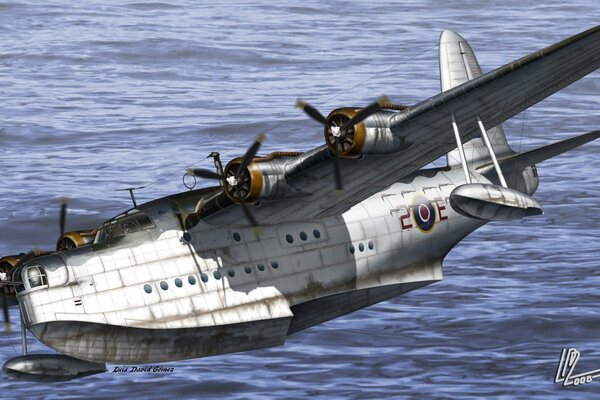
x=566 y=366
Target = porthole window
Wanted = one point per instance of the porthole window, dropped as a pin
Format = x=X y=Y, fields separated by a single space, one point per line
x=248 y=269
x=289 y=238
x=371 y=245
x=260 y=267
x=316 y=234
x=178 y=282
x=361 y=246
x=236 y=236
x=192 y=280
x=164 y=285
x=204 y=277
x=231 y=272
x=217 y=275
x=303 y=236
x=274 y=264
x=147 y=288
x=351 y=249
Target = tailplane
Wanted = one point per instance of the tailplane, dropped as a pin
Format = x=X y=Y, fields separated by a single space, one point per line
x=543 y=153
x=515 y=164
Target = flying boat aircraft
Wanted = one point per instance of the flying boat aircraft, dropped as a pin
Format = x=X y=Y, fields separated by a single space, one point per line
x=290 y=240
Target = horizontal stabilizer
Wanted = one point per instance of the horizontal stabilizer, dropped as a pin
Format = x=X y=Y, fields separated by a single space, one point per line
x=543 y=153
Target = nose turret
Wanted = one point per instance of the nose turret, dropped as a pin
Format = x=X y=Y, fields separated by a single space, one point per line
x=42 y=272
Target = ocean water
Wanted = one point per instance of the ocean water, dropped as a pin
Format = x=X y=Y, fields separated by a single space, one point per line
x=97 y=96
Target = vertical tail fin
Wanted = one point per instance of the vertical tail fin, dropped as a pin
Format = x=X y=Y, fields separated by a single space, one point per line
x=458 y=65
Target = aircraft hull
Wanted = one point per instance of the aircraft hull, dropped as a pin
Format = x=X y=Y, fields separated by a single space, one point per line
x=124 y=345
x=386 y=246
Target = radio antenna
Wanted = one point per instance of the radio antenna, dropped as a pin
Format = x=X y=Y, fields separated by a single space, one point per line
x=130 y=190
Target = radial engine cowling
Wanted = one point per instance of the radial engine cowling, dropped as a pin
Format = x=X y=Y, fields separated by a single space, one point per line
x=372 y=136
x=74 y=239
x=8 y=262
x=263 y=179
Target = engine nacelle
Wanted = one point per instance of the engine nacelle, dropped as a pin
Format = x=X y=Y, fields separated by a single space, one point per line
x=372 y=136
x=74 y=239
x=263 y=179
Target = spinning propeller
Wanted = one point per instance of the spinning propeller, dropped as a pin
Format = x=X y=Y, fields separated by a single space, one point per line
x=34 y=253
x=236 y=183
x=65 y=243
x=339 y=129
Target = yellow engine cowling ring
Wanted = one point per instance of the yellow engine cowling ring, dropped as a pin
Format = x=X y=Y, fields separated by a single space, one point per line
x=252 y=182
x=350 y=145
x=74 y=239
x=8 y=262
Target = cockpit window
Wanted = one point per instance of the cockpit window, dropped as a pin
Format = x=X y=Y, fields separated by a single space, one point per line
x=122 y=226
x=36 y=276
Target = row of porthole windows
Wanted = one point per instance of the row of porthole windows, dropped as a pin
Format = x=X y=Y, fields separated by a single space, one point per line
x=217 y=275
x=303 y=236
x=231 y=272
x=289 y=238
x=361 y=247
x=164 y=285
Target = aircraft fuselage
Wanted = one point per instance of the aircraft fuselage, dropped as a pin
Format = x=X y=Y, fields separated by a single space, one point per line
x=152 y=296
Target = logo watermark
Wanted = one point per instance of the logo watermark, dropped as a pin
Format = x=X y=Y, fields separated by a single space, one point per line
x=143 y=368
x=566 y=366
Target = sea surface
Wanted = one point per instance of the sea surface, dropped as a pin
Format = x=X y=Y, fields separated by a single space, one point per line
x=97 y=96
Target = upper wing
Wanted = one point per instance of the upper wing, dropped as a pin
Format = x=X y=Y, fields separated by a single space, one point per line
x=495 y=97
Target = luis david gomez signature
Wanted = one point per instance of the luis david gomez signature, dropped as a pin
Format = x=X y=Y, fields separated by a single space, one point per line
x=566 y=365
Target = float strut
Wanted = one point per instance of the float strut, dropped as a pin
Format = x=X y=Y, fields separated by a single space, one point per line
x=484 y=135
x=23 y=333
x=461 y=151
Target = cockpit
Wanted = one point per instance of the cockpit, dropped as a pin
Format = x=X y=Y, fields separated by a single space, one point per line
x=124 y=224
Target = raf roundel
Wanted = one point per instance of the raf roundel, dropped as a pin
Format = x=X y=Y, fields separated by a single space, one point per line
x=423 y=215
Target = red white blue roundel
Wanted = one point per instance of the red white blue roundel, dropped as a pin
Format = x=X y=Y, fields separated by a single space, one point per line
x=423 y=214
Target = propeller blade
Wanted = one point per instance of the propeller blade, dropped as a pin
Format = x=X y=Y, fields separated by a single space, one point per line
x=339 y=187
x=204 y=173
x=312 y=112
x=249 y=214
x=5 y=309
x=250 y=154
x=245 y=208
x=365 y=113
x=63 y=215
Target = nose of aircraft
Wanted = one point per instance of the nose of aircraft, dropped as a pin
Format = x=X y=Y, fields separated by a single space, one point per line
x=48 y=271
